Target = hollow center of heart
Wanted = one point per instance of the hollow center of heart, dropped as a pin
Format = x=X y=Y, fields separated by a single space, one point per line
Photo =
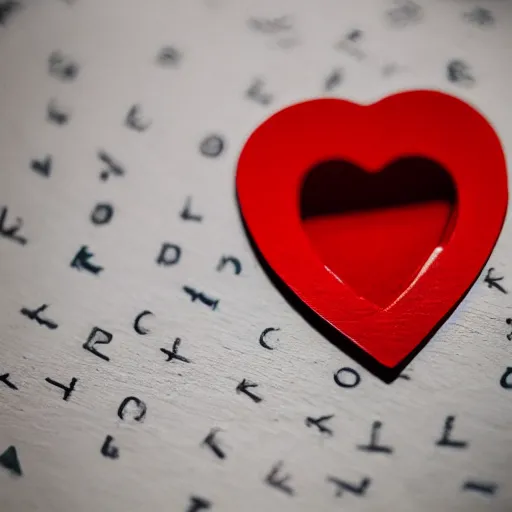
x=376 y=230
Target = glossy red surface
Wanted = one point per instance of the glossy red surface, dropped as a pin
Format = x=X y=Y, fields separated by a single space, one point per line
x=398 y=241
x=378 y=217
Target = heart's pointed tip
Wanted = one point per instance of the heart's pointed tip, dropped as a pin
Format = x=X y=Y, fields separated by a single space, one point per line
x=389 y=359
x=393 y=361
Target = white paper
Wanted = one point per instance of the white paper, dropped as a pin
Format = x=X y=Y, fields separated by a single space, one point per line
x=220 y=49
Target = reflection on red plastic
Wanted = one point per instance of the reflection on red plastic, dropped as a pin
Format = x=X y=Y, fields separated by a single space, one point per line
x=398 y=215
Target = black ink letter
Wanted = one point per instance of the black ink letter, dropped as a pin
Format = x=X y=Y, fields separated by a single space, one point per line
x=135 y=121
x=62 y=67
x=137 y=412
x=164 y=259
x=270 y=25
x=102 y=213
x=318 y=422
x=244 y=386
x=81 y=261
x=374 y=446
x=235 y=262
x=136 y=323
x=492 y=282
x=480 y=16
x=279 y=482
x=173 y=354
x=481 y=487
x=355 y=35
x=357 y=489
x=504 y=381
x=459 y=72
x=509 y=322
x=169 y=56
x=333 y=80
x=207 y=301
x=42 y=167
x=5 y=379
x=445 y=437
x=211 y=146
x=56 y=114
x=256 y=93
x=211 y=442
x=186 y=214
x=9 y=460
x=352 y=381
x=67 y=389
x=33 y=314
x=197 y=504
x=100 y=337
x=263 y=335
x=350 y=44
x=10 y=232
x=113 y=167
x=405 y=14
x=7 y=9
x=107 y=450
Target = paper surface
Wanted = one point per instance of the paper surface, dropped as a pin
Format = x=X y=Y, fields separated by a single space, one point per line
x=106 y=106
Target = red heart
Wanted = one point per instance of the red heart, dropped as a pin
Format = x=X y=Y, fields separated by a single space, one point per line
x=379 y=217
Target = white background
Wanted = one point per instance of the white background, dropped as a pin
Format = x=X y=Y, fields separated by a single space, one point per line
x=161 y=461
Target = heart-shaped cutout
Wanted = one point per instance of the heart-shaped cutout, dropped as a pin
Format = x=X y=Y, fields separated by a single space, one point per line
x=376 y=230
